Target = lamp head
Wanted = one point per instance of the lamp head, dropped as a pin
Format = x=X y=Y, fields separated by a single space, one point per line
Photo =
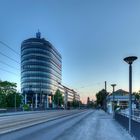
x=130 y=59
x=113 y=85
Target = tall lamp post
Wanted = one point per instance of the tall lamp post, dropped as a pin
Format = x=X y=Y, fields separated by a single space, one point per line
x=130 y=60
x=113 y=86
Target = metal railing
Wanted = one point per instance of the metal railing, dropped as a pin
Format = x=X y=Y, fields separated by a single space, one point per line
x=123 y=119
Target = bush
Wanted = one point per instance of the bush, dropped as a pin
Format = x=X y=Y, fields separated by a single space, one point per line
x=26 y=107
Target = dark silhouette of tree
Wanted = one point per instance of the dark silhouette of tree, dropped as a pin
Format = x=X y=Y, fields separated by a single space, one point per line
x=3 y=103
x=7 y=87
x=58 y=98
x=88 y=100
x=8 y=95
x=11 y=97
x=137 y=98
x=75 y=103
x=90 y=104
x=101 y=98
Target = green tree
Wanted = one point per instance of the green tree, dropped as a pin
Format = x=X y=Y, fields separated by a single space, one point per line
x=8 y=94
x=3 y=103
x=58 y=98
x=75 y=103
x=90 y=103
x=11 y=98
x=137 y=95
x=101 y=98
x=69 y=105
x=137 y=98
x=7 y=87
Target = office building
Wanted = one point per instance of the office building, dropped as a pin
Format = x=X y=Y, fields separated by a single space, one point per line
x=40 y=71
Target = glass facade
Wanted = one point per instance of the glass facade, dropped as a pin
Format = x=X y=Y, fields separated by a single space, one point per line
x=40 y=66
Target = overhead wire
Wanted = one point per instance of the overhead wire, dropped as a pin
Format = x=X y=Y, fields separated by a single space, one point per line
x=8 y=71
x=10 y=58
x=9 y=65
x=9 y=47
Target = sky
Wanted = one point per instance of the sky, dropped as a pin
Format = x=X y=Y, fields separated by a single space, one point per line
x=93 y=37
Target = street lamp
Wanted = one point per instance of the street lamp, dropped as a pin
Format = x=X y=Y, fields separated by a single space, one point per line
x=113 y=85
x=130 y=60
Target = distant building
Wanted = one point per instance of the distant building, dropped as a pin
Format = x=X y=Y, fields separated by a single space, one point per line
x=121 y=99
x=40 y=71
x=69 y=95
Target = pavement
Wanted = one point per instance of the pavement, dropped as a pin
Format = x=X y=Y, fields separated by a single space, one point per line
x=98 y=126
x=87 y=125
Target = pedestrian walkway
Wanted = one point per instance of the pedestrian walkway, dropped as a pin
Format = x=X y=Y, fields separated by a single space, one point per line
x=97 y=126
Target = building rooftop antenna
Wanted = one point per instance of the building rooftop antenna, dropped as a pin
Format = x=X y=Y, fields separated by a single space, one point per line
x=38 y=34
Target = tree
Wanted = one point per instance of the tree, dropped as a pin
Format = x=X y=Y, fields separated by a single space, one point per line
x=75 y=103
x=88 y=100
x=12 y=98
x=137 y=98
x=90 y=104
x=7 y=87
x=8 y=94
x=101 y=98
x=137 y=95
x=58 y=98
x=69 y=105
x=3 y=103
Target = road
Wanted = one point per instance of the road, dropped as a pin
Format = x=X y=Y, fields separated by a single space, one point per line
x=86 y=125
x=18 y=121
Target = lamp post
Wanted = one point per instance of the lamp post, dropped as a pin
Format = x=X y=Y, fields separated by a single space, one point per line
x=130 y=60
x=113 y=86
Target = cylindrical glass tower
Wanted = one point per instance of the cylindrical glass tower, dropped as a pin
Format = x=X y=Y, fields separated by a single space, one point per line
x=40 y=70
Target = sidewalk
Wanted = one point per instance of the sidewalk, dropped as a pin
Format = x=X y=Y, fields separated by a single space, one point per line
x=98 y=126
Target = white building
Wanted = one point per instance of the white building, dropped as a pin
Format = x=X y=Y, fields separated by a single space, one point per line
x=119 y=98
x=69 y=95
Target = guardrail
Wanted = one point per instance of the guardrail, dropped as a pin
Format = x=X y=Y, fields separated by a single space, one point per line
x=135 y=115
x=124 y=121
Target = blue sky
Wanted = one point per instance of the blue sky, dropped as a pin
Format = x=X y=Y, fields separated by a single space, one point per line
x=93 y=37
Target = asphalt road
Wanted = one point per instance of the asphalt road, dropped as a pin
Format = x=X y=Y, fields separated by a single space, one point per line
x=15 y=122
x=87 y=125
